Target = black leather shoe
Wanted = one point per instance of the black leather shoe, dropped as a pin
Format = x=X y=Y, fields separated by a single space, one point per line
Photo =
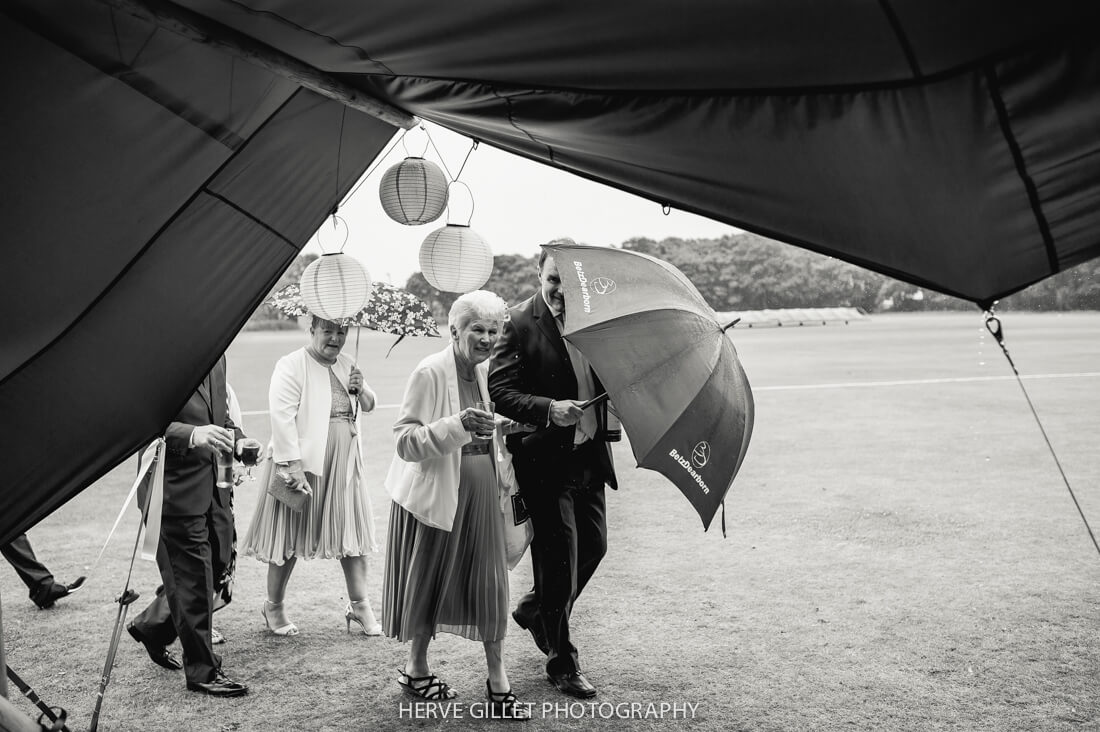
x=220 y=685
x=157 y=654
x=573 y=684
x=45 y=599
x=535 y=629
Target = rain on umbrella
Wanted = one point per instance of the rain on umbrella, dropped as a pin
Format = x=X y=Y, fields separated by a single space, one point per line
x=668 y=367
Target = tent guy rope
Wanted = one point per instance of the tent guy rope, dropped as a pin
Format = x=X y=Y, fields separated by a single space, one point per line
x=993 y=325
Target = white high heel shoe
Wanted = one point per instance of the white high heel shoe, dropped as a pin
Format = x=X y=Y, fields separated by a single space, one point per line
x=287 y=627
x=359 y=611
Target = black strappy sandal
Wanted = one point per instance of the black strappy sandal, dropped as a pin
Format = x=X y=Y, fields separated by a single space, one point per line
x=427 y=687
x=504 y=705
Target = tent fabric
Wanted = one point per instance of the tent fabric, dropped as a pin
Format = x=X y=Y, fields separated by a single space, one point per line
x=158 y=186
x=140 y=234
x=951 y=145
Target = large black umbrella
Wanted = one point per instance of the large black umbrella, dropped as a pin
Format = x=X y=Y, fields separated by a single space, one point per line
x=667 y=364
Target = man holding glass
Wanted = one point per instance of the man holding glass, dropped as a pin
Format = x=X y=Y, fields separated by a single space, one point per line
x=195 y=553
x=538 y=378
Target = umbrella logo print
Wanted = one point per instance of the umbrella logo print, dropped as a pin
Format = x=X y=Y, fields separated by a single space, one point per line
x=603 y=285
x=700 y=454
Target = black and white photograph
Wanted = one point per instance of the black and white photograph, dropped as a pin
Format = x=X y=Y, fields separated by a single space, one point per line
x=406 y=365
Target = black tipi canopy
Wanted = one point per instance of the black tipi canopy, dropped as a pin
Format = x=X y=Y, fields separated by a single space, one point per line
x=166 y=161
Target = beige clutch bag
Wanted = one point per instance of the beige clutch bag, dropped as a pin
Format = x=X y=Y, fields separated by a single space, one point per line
x=284 y=491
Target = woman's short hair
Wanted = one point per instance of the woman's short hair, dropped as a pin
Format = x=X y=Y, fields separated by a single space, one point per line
x=477 y=305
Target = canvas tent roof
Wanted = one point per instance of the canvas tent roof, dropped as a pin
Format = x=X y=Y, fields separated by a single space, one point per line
x=157 y=186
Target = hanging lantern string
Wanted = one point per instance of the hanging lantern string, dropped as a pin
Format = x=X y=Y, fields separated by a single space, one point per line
x=473 y=146
x=468 y=193
x=405 y=142
x=993 y=325
x=462 y=167
x=377 y=162
x=438 y=154
x=339 y=154
x=335 y=218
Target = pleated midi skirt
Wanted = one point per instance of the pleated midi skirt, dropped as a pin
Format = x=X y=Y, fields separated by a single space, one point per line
x=338 y=520
x=449 y=581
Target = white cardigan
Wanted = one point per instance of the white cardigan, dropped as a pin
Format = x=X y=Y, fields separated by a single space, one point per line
x=300 y=400
x=428 y=438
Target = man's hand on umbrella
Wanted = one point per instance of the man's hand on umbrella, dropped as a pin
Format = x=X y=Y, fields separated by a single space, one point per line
x=565 y=412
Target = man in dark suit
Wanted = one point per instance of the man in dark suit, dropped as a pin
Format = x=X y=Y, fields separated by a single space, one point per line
x=44 y=589
x=195 y=550
x=538 y=378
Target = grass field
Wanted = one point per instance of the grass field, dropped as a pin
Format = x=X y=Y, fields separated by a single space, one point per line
x=902 y=554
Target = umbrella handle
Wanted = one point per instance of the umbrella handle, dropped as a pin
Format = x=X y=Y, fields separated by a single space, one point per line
x=353 y=391
x=595 y=400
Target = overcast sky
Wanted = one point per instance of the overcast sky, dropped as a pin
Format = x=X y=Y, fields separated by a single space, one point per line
x=518 y=205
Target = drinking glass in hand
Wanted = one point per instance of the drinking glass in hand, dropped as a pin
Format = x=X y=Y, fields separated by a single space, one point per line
x=483 y=434
x=250 y=454
x=225 y=468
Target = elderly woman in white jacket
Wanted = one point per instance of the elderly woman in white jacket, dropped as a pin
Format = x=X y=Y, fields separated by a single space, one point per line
x=445 y=561
x=315 y=399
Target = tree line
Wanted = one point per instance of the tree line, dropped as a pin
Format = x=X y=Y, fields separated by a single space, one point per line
x=748 y=272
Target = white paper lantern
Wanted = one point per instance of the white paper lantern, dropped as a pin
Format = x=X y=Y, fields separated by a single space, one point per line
x=413 y=192
x=335 y=286
x=455 y=259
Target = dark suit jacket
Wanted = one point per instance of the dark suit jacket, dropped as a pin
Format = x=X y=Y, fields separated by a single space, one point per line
x=190 y=474
x=530 y=367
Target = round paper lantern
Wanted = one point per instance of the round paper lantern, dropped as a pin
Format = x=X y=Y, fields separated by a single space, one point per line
x=455 y=259
x=335 y=286
x=413 y=192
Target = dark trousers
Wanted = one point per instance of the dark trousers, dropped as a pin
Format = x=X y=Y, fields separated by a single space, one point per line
x=190 y=557
x=569 y=541
x=34 y=574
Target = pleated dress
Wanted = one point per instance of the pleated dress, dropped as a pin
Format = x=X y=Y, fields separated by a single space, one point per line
x=453 y=581
x=338 y=520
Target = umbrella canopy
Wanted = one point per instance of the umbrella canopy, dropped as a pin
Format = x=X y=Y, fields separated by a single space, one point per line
x=389 y=310
x=667 y=364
